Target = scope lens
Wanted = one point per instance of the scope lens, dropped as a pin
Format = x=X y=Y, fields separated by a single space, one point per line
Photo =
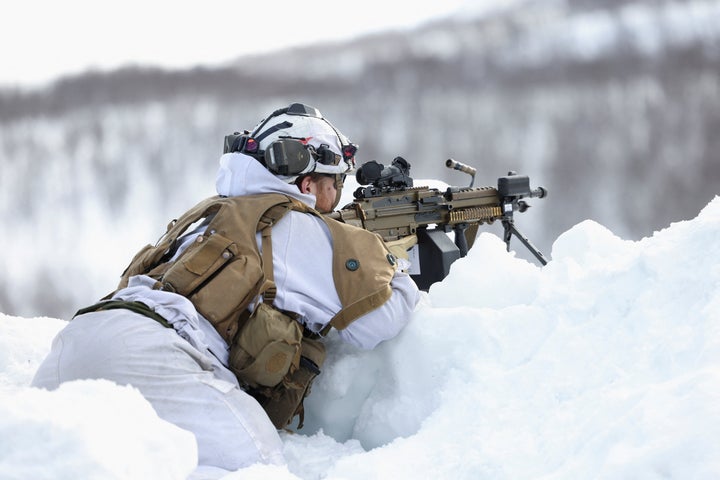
x=368 y=172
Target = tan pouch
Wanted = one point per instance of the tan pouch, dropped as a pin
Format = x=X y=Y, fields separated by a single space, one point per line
x=266 y=348
x=285 y=401
x=205 y=256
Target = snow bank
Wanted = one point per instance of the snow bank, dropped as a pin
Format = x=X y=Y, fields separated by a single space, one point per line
x=89 y=430
x=603 y=364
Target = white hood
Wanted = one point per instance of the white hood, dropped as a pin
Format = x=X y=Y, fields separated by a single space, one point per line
x=240 y=174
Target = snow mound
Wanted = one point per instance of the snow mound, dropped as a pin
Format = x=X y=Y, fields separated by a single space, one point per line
x=602 y=364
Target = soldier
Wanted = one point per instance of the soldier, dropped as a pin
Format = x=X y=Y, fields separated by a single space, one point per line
x=220 y=324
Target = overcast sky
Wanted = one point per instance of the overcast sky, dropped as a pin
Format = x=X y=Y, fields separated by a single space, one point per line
x=43 y=39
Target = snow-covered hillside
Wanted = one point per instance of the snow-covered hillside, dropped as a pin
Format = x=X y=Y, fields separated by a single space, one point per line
x=613 y=106
x=603 y=364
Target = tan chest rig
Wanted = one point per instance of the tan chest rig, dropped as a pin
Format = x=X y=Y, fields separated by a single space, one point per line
x=222 y=272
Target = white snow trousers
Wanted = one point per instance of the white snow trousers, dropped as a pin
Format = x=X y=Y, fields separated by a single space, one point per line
x=231 y=428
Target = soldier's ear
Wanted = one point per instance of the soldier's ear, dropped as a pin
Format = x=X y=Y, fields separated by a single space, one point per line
x=304 y=184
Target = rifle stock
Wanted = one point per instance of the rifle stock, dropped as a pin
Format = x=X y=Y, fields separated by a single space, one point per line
x=393 y=208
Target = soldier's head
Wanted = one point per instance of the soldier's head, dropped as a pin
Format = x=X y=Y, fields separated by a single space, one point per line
x=300 y=146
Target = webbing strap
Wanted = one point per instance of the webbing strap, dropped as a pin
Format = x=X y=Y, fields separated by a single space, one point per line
x=347 y=315
x=137 y=307
x=268 y=290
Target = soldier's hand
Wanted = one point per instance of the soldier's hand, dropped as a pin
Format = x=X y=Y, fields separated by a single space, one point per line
x=400 y=247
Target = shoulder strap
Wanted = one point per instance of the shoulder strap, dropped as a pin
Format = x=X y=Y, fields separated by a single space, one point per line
x=271 y=216
x=268 y=290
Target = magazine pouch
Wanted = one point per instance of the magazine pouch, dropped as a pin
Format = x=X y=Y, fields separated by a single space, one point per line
x=285 y=401
x=266 y=348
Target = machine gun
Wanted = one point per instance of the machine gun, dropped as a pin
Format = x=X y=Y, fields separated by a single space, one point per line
x=389 y=205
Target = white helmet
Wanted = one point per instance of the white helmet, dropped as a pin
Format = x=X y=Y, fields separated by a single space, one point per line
x=297 y=140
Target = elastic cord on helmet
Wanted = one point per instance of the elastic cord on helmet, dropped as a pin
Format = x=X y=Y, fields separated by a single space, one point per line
x=272 y=130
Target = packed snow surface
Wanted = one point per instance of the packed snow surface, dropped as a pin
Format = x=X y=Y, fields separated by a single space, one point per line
x=603 y=364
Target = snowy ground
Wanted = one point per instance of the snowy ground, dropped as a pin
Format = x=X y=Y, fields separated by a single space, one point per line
x=603 y=364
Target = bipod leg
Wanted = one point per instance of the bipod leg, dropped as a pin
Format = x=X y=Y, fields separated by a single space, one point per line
x=529 y=245
x=511 y=230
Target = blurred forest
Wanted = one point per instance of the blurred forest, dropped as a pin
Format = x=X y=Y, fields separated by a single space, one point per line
x=613 y=106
